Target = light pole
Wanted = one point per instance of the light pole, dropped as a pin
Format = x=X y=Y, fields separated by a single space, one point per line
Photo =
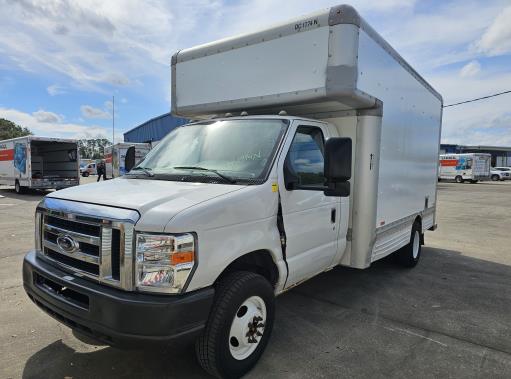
x=113 y=120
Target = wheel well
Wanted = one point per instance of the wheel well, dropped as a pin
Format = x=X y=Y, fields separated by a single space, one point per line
x=259 y=262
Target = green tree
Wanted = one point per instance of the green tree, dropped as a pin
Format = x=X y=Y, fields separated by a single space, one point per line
x=9 y=129
x=93 y=148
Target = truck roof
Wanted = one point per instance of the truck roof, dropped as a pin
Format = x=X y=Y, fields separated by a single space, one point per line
x=37 y=138
x=327 y=61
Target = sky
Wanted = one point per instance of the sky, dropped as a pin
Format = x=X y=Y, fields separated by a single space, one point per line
x=61 y=62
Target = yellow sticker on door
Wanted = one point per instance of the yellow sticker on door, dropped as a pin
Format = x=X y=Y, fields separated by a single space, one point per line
x=274 y=187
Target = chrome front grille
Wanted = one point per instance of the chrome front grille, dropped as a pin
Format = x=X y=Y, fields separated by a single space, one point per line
x=87 y=256
x=92 y=241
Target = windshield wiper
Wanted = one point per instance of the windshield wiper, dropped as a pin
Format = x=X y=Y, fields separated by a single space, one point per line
x=146 y=171
x=224 y=177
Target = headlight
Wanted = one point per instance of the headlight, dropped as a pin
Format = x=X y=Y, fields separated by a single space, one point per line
x=164 y=261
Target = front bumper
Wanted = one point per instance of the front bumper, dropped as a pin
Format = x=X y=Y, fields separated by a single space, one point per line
x=110 y=315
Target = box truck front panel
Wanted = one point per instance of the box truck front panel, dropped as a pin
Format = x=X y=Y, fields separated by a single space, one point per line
x=287 y=69
x=410 y=133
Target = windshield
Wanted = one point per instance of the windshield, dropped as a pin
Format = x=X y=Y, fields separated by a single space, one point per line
x=238 y=150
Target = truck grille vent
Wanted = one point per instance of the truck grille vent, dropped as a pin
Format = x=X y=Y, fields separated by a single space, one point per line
x=94 y=248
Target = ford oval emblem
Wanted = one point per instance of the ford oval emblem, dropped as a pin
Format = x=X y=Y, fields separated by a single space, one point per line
x=67 y=244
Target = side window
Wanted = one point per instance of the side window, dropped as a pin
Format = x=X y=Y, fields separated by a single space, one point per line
x=306 y=155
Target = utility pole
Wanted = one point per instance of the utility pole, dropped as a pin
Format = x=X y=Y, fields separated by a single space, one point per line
x=113 y=119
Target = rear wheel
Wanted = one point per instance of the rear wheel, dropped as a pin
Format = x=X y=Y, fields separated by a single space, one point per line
x=474 y=181
x=409 y=255
x=495 y=178
x=239 y=325
x=18 y=187
x=459 y=179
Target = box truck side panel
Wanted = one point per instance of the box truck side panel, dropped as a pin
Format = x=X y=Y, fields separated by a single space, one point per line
x=15 y=162
x=7 y=163
x=409 y=136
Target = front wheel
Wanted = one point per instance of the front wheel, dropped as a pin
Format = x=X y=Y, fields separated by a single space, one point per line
x=239 y=326
x=85 y=174
x=459 y=179
x=495 y=178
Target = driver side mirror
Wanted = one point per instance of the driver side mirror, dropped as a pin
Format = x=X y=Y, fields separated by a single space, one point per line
x=338 y=166
x=129 y=160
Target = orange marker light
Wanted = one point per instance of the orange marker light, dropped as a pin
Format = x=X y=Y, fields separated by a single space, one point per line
x=181 y=257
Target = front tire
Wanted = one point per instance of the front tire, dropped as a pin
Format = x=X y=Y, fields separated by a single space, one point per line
x=239 y=326
x=85 y=174
x=495 y=178
x=459 y=179
x=409 y=255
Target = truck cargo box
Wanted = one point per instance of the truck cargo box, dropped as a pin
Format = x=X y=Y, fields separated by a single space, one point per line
x=332 y=65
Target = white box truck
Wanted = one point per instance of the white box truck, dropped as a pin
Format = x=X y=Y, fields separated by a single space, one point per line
x=471 y=167
x=39 y=163
x=115 y=157
x=318 y=147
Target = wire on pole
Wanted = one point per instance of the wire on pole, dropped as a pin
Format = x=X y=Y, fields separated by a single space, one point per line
x=477 y=99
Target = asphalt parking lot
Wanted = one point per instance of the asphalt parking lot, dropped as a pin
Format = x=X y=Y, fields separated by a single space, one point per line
x=448 y=317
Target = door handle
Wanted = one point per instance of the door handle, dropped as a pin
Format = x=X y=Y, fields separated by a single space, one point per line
x=332 y=215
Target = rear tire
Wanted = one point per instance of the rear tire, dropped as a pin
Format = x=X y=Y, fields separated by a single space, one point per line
x=459 y=179
x=244 y=304
x=495 y=178
x=409 y=255
x=18 y=187
x=474 y=181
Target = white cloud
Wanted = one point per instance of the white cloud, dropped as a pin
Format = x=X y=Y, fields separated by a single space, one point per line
x=55 y=89
x=98 y=44
x=51 y=129
x=46 y=117
x=91 y=112
x=496 y=40
x=470 y=69
x=486 y=122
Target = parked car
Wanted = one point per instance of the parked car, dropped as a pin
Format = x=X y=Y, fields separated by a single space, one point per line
x=500 y=173
x=89 y=169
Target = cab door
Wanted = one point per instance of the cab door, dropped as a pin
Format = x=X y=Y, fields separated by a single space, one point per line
x=310 y=218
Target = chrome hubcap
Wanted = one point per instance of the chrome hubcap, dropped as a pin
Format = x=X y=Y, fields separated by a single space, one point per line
x=247 y=327
x=416 y=245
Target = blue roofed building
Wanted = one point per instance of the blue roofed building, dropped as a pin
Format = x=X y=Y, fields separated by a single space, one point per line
x=154 y=129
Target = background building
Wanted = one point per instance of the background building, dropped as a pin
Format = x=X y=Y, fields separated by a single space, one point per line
x=500 y=155
x=154 y=129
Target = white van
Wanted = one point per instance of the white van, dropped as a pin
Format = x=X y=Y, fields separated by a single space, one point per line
x=39 y=163
x=88 y=169
x=316 y=145
x=471 y=167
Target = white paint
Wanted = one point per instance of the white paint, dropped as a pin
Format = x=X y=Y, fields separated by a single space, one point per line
x=415 y=335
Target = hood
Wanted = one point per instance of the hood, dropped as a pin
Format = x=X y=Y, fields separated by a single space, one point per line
x=161 y=199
